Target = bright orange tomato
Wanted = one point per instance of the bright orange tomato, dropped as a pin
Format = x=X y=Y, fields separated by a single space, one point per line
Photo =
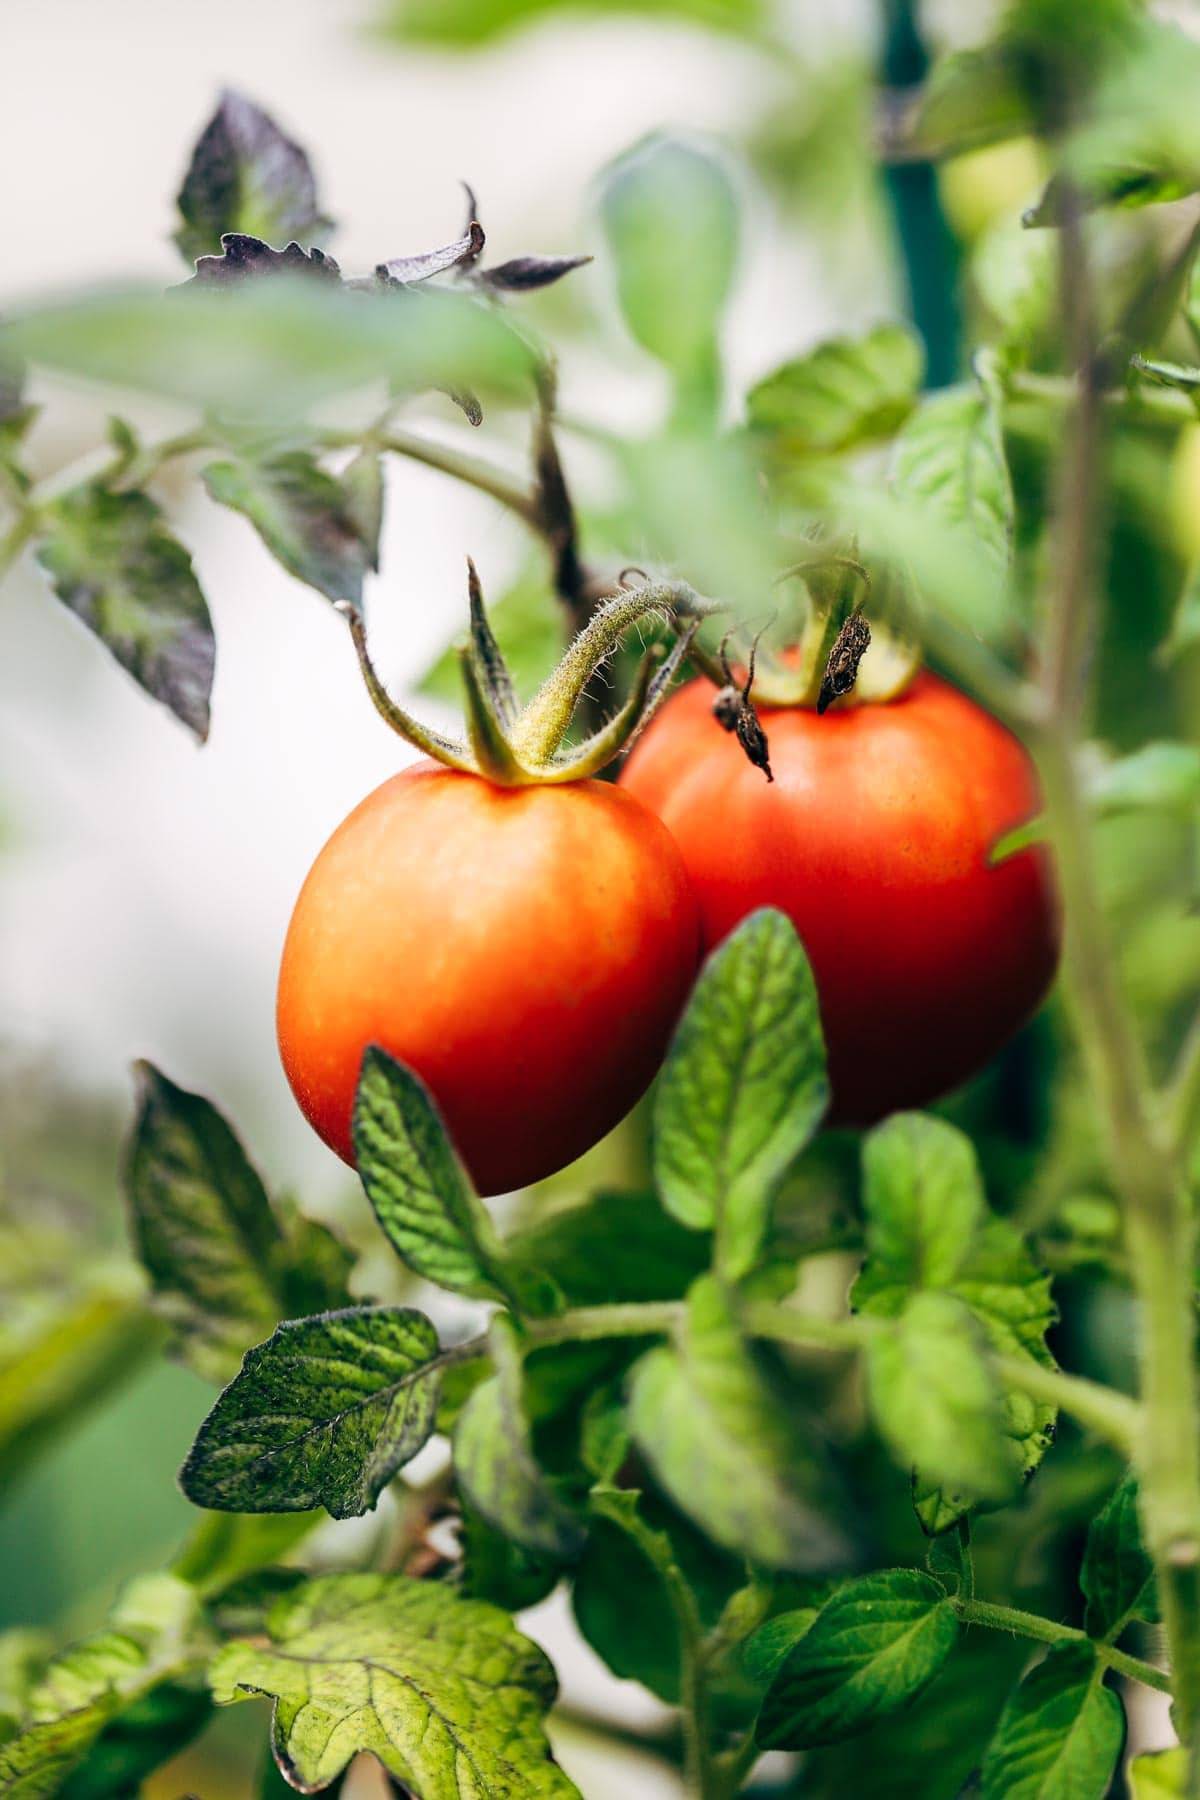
x=874 y=838
x=526 y=951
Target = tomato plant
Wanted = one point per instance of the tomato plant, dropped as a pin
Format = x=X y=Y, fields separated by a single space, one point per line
x=866 y=1439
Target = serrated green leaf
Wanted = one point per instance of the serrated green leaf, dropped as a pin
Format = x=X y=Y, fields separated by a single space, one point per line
x=113 y=563
x=442 y=1690
x=80 y=1691
x=1060 y=1736
x=872 y=1648
x=924 y=1202
x=246 y=175
x=948 y=464
x=936 y=1402
x=743 y=1088
x=612 y=1246
x=1117 y=1577
x=724 y=1447
x=202 y=1225
x=322 y=1414
x=303 y=515
x=417 y=1187
x=495 y=1464
x=844 y=392
x=929 y=1230
x=670 y=214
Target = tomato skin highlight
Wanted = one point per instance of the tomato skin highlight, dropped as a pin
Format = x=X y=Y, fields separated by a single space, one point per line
x=874 y=838
x=527 y=951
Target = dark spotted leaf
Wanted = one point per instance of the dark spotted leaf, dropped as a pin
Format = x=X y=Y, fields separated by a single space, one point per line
x=246 y=175
x=116 y=566
x=322 y=1414
x=224 y=1265
x=303 y=515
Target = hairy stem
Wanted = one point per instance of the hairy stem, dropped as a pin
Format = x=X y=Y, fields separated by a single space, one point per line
x=1049 y=1631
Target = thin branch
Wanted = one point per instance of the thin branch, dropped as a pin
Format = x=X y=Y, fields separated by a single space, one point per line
x=1049 y=1631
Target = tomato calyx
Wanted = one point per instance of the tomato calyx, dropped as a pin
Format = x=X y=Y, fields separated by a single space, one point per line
x=836 y=657
x=514 y=746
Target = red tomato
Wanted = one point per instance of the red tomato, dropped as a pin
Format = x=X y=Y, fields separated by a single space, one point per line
x=526 y=951
x=874 y=839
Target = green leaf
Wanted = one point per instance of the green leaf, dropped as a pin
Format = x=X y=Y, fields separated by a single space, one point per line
x=65 y=1344
x=1013 y=271
x=845 y=392
x=936 y=1401
x=148 y=1641
x=1159 y=1775
x=613 y=1246
x=417 y=1187
x=528 y=628
x=303 y=515
x=495 y=1464
x=225 y=1547
x=766 y=1650
x=972 y=98
x=640 y=1553
x=149 y=1732
x=442 y=1690
x=270 y=350
x=202 y=1225
x=670 y=214
x=743 y=1088
x=1163 y=777
x=948 y=462
x=322 y=1414
x=872 y=1648
x=246 y=175
x=113 y=563
x=497 y=1570
x=924 y=1202
x=1061 y=1734
x=1117 y=1577
x=929 y=1230
x=726 y=1448
x=466 y=23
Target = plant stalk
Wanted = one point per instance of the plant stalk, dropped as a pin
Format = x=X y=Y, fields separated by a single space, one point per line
x=1049 y=1631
